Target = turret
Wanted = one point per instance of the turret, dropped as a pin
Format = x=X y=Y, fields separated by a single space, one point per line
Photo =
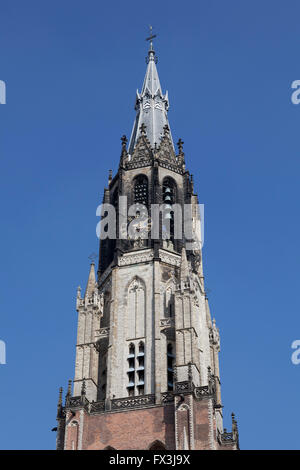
x=89 y=313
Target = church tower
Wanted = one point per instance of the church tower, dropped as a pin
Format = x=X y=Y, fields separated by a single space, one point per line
x=147 y=368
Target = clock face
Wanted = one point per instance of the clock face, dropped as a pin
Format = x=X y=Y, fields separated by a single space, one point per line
x=138 y=227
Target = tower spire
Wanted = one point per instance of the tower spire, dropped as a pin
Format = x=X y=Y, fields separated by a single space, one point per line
x=146 y=343
x=151 y=104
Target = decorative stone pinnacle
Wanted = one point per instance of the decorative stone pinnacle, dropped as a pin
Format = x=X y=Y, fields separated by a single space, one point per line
x=143 y=128
x=60 y=396
x=180 y=145
x=124 y=141
x=83 y=387
x=69 y=391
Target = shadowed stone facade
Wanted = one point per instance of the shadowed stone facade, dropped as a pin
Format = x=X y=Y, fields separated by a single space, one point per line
x=147 y=368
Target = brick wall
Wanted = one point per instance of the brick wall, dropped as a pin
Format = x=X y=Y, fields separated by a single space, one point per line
x=127 y=430
x=138 y=429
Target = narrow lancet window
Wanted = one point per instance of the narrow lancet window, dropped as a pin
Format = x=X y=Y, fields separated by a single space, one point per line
x=169 y=303
x=170 y=366
x=141 y=190
x=140 y=369
x=131 y=370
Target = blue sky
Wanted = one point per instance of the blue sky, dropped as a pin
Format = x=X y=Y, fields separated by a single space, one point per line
x=72 y=69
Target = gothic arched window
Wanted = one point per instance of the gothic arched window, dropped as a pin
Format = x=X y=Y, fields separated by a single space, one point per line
x=169 y=302
x=169 y=191
x=136 y=309
x=141 y=190
x=102 y=375
x=74 y=434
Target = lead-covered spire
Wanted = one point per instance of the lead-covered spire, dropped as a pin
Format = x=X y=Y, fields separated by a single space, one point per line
x=151 y=105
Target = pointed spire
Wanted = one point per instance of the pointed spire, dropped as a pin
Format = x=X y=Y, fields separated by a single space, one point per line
x=208 y=315
x=124 y=143
x=69 y=391
x=59 y=403
x=151 y=105
x=235 y=430
x=124 y=154
x=192 y=184
x=180 y=146
x=79 y=300
x=91 y=284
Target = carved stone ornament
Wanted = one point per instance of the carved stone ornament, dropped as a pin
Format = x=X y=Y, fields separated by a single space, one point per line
x=136 y=284
x=169 y=258
x=165 y=150
x=215 y=334
x=135 y=258
x=135 y=402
